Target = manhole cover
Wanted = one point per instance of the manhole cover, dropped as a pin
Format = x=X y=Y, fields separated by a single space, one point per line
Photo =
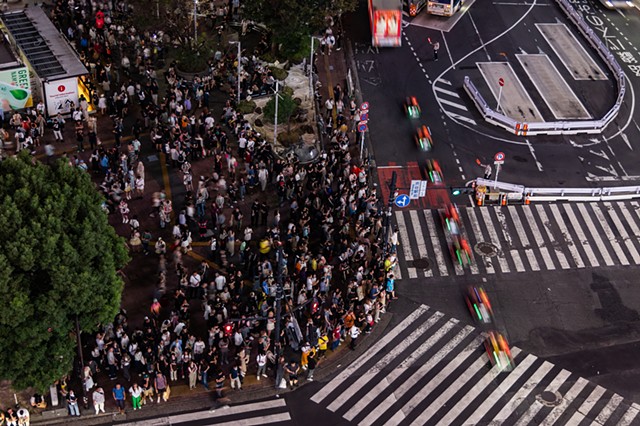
x=421 y=264
x=549 y=399
x=486 y=249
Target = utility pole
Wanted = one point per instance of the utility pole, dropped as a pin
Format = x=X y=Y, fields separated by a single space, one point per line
x=195 y=20
x=275 y=127
x=387 y=223
x=239 y=65
x=85 y=399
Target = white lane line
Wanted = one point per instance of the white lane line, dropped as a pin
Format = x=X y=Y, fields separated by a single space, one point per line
x=423 y=393
x=514 y=253
x=422 y=247
x=609 y=233
x=478 y=34
x=406 y=244
x=445 y=81
x=567 y=399
x=478 y=235
x=587 y=405
x=538 y=237
x=555 y=384
x=372 y=372
x=462 y=118
x=370 y=353
x=446 y=45
x=255 y=421
x=566 y=236
x=595 y=234
x=228 y=411
x=524 y=240
x=493 y=237
x=498 y=392
x=386 y=381
x=440 y=402
x=453 y=104
x=448 y=92
x=435 y=243
x=522 y=393
x=623 y=232
x=473 y=393
x=546 y=224
x=608 y=409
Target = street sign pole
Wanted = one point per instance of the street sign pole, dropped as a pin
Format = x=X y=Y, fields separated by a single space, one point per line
x=387 y=223
x=495 y=183
x=361 y=144
x=501 y=84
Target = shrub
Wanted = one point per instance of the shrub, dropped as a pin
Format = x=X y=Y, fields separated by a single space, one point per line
x=246 y=107
x=279 y=73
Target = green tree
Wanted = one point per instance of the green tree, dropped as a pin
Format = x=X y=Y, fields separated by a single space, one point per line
x=59 y=260
x=286 y=107
x=291 y=22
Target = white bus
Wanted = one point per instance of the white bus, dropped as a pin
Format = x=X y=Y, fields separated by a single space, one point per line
x=444 y=7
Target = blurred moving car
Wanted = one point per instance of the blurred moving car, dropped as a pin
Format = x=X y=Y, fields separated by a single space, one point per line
x=423 y=139
x=618 y=4
x=434 y=173
x=412 y=107
x=498 y=351
x=479 y=305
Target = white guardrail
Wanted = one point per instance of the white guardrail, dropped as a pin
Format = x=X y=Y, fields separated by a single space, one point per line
x=521 y=128
x=514 y=191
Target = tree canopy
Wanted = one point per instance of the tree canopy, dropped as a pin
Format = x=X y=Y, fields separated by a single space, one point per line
x=291 y=22
x=59 y=260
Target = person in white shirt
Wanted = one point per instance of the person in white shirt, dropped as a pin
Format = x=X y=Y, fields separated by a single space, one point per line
x=261 y=360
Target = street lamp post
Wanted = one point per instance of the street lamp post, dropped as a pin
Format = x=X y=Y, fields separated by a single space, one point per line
x=387 y=223
x=311 y=70
x=275 y=127
x=279 y=295
x=239 y=66
x=195 y=20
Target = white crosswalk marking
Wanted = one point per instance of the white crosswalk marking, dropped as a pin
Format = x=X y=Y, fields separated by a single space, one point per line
x=623 y=233
x=448 y=92
x=567 y=399
x=522 y=393
x=377 y=347
x=422 y=247
x=435 y=243
x=390 y=356
x=435 y=373
x=537 y=405
x=505 y=233
x=609 y=233
x=528 y=237
x=524 y=240
x=591 y=227
x=493 y=237
x=404 y=241
x=546 y=257
x=546 y=225
x=475 y=226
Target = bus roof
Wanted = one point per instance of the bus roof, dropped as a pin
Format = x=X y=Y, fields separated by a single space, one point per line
x=387 y=4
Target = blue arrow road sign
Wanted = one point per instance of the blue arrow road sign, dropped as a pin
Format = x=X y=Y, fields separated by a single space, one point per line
x=402 y=200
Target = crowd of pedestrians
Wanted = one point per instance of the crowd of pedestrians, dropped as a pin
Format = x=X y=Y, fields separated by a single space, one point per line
x=315 y=229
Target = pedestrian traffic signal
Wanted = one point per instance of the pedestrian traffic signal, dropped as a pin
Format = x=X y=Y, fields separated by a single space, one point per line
x=461 y=190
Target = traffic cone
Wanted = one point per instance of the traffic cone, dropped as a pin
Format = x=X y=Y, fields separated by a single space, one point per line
x=527 y=201
x=504 y=200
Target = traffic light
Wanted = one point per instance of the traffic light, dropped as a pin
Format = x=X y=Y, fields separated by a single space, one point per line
x=228 y=328
x=461 y=190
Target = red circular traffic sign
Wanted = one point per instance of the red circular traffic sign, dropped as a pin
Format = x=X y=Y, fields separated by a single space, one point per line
x=362 y=126
x=499 y=156
x=501 y=81
x=364 y=106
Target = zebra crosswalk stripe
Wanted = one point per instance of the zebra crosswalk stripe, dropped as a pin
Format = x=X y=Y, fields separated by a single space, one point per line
x=565 y=232
x=453 y=104
x=502 y=389
x=475 y=226
x=623 y=232
x=567 y=399
x=388 y=358
x=609 y=233
x=504 y=266
x=608 y=409
x=445 y=91
x=414 y=378
x=422 y=247
x=629 y=416
x=404 y=241
x=524 y=240
x=546 y=257
x=435 y=242
x=591 y=256
x=373 y=350
x=546 y=224
x=553 y=387
x=520 y=395
x=473 y=393
x=514 y=253
x=628 y=216
x=362 y=403
x=587 y=405
x=596 y=235
x=433 y=383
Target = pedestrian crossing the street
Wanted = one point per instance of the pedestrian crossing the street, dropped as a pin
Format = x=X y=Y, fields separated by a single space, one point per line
x=523 y=238
x=432 y=370
x=451 y=102
x=271 y=412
